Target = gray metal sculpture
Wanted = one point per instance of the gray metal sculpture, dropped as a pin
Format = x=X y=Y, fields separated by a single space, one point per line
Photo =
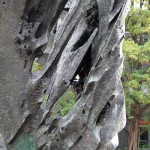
x=81 y=38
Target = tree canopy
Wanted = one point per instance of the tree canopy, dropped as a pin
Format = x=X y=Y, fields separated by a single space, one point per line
x=136 y=74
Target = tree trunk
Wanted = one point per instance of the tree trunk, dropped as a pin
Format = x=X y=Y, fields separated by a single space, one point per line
x=42 y=31
x=132 y=3
x=134 y=129
x=141 y=4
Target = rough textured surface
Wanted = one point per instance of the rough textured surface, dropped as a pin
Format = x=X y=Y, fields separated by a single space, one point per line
x=81 y=38
x=2 y=144
x=13 y=78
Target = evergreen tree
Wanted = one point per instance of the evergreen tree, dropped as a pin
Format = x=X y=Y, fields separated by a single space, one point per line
x=136 y=76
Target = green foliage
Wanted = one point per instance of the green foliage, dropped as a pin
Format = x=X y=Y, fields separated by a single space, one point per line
x=45 y=98
x=136 y=74
x=64 y=104
x=136 y=54
x=141 y=145
x=138 y=21
x=36 y=66
x=146 y=127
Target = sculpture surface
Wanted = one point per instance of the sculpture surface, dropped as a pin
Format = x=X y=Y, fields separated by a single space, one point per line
x=68 y=38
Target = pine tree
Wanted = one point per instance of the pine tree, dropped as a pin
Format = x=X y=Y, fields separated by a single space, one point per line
x=136 y=76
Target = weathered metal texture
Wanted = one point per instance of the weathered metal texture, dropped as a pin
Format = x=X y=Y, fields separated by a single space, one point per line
x=90 y=29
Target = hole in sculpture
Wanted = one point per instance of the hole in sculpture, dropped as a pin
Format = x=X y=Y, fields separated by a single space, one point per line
x=83 y=38
x=44 y=91
x=62 y=128
x=18 y=41
x=23 y=103
x=40 y=59
x=32 y=25
x=57 y=140
x=41 y=30
x=28 y=51
x=65 y=82
x=79 y=139
x=64 y=104
x=104 y=113
x=92 y=17
x=82 y=73
x=116 y=3
x=36 y=67
x=113 y=21
x=83 y=111
x=112 y=98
